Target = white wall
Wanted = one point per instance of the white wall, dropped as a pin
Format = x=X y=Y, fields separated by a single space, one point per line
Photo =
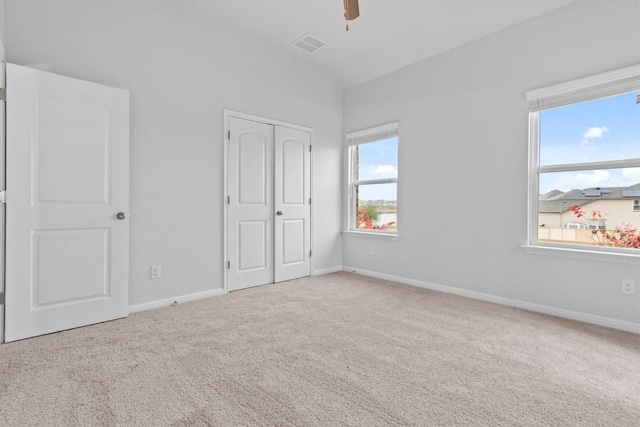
x=463 y=160
x=183 y=69
x=1 y=21
x=2 y=54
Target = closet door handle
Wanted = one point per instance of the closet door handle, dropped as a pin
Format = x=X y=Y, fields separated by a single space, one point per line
x=279 y=213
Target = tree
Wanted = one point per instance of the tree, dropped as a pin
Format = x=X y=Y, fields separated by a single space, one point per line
x=371 y=212
x=368 y=216
x=623 y=236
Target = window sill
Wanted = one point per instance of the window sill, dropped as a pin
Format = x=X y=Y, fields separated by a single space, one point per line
x=371 y=235
x=583 y=254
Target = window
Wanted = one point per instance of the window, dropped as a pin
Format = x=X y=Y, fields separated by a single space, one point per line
x=373 y=179
x=597 y=224
x=575 y=225
x=585 y=162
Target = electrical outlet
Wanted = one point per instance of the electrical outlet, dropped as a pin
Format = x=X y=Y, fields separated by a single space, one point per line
x=156 y=272
x=628 y=286
x=371 y=251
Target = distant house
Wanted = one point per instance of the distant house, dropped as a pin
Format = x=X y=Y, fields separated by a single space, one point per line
x=617 y=205
x=379 y=203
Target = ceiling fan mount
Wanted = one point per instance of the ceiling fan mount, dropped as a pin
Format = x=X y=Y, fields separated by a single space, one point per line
x=351 y=11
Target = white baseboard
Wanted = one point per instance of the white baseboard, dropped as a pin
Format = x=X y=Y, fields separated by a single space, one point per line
x=553 y=311
x=168 y=301
x=322 y=271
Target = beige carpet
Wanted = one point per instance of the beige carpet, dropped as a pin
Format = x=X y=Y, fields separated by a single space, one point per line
x=339 y=349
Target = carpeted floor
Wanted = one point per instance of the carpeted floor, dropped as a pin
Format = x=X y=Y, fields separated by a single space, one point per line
x=339 y=349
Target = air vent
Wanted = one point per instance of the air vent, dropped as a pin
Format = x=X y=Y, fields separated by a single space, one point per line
x=309 y=43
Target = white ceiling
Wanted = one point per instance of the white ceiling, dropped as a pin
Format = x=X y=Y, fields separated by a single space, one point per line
x=388 y=35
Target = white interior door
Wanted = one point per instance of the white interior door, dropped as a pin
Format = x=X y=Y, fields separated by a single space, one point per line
x=292 y=204
x=250 y=204
x=67 y=188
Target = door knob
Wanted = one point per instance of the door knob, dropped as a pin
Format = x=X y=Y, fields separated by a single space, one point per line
x=279 y=213
x=121 y=215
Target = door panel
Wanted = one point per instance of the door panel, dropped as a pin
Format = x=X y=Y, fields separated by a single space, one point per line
x=292 y=199
x=250 y=207
x=83 y=152
x=253 y=162
x=293 y=173
x=293 y=231
x=253 y=237
x=55 y=256
x=68 y=177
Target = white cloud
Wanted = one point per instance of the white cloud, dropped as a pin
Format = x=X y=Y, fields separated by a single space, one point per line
x=632 y=174
x=557 y=155
x=386 y=171
x=565 y=181
x=595 y=132
x=583 y=180
x=591 y=133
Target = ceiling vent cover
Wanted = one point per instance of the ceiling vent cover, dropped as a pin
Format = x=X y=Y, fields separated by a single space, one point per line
x=309 y=43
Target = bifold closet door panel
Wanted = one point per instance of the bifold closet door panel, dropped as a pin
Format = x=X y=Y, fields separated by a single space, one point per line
x=250 y=204
x=292 y=204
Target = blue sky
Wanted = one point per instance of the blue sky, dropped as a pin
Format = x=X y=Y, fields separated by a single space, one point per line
x=604 y=129
x=378 y=160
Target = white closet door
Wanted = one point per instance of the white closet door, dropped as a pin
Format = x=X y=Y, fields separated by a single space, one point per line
x=67 y=260
x=250 y=204
x=292 y=204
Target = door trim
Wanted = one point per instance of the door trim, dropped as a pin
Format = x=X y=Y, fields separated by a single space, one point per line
x=227 y=115
x=3 y=207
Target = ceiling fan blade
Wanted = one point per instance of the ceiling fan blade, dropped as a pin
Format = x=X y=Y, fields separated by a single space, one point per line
x=352 y=11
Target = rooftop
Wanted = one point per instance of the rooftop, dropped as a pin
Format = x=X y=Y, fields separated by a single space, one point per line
x=556 y=201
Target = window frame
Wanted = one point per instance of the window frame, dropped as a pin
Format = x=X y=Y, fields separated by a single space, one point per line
x=590 y=88
x=354 y=139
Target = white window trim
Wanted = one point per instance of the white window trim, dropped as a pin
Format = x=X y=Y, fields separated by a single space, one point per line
x=593 y=87
x=590 y=253
x=371 y=234
x=623 y=76
x=353 y=139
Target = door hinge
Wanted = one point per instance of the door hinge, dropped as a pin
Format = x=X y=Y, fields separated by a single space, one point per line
x=229 y=134
x=310 y=254
x=1 y=298
x=309 y=148
x=309 y=200
x=3 y=196
x=228 y=265
x=228 y=200
x=3 y=94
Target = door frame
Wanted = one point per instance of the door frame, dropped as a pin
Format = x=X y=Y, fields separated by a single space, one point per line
x=227 y=115
x=3 y=165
